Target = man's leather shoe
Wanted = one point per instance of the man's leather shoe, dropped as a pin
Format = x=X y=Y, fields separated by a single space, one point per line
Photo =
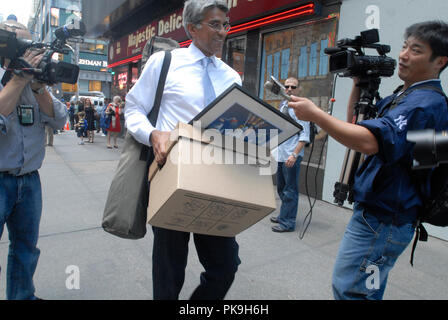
x=274 y=219
x=280 y=229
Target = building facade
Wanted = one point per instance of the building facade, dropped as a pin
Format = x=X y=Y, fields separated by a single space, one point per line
x=280 y=38
x=89 y=54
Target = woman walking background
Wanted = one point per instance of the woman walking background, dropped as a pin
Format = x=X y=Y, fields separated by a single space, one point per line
x=113 y=111
x=90 y=117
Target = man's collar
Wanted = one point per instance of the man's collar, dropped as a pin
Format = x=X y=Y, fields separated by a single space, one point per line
x=424 y=81
x=198 y=55
x=400 y=90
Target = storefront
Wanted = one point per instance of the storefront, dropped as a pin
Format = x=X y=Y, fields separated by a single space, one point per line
x=281 y=38
x=93 y=75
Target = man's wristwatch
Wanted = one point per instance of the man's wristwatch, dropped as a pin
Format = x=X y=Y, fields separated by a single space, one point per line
x=39 y=91
x=295 y=155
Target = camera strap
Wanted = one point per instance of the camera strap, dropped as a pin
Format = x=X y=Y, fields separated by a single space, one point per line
x=396 y=100
x=6 y=77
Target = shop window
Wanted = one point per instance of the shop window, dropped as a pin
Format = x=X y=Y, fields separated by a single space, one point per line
x=323 y=59
x=269 y=66
x=94 y=85
x=298 y=51
x=134 y=72
x=54 y=20
x=313 y=60
x=303 y=62
x=285 y=64
x=276 y=64
x=236 y=53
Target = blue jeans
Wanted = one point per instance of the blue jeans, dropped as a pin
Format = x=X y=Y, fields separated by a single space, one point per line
x=21 y=208
x=368 y=251
x=218 y=256
x=288 y=191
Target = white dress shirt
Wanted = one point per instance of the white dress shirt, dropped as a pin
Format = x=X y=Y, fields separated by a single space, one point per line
x=183 y=96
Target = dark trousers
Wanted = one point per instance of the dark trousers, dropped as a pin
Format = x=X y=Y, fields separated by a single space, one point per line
x=218 y=256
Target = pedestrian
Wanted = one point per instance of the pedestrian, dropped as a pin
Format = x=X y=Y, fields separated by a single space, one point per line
x=26 y=107
x=195 y=77
x=71 y=114
x=90 y=117
x=81 y=126
x=113 y=112
x=49 y=135
x=289 y=156
x=98 y=110
x=387 y=200
x=122 y=120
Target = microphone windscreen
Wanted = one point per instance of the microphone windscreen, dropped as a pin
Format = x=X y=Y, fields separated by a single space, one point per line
x=332 y=50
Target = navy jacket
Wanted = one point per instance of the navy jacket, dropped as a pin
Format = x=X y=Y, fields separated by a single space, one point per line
x=383 y=181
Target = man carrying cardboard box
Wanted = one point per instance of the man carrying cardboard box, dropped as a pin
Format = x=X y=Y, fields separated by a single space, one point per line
x=195 y=78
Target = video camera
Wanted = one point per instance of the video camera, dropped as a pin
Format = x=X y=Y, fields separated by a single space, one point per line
x=348 y=58
x=48 y=71
x=430 y=149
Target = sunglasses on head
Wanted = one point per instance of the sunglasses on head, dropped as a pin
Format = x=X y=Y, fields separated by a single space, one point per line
x=292 y=87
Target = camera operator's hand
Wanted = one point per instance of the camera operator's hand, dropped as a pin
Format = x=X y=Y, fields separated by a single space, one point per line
x=304 y=108
x=33 y=57
x=36 y=86
x=353 y=136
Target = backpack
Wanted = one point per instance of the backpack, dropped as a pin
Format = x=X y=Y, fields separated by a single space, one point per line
x=434 y=210
x=157 y=44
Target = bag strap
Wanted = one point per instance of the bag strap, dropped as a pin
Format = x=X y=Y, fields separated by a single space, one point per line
x=154 y=113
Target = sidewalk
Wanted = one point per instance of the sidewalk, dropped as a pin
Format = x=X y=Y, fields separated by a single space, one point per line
x=75 y=182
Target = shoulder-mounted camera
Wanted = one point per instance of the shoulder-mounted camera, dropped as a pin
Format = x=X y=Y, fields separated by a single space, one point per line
x=48 y=71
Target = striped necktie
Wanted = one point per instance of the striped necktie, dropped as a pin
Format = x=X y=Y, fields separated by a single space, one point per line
x=209 y=92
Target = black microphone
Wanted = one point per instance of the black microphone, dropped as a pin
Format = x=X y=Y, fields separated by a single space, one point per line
x=332 y=50
x=74 y=28
x=276 y=88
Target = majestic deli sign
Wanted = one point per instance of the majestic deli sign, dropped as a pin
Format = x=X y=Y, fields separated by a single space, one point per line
x=171 y=26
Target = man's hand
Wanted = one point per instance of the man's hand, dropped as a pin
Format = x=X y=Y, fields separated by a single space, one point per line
x=290 y=161
x=33 y=57
x=159 y=141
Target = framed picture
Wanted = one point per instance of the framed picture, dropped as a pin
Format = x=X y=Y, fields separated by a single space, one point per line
x=240 y=114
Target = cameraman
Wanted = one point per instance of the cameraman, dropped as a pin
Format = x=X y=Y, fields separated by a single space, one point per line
x=25 y=108
x=386 y=199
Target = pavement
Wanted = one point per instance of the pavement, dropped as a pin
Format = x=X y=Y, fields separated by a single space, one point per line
x=275 y=266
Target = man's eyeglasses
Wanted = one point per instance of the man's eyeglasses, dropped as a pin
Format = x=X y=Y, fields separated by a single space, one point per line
x=217 y=26
x=292 y=87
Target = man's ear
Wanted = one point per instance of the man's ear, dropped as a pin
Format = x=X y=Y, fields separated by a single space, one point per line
x=192 y=29
x=441 y=62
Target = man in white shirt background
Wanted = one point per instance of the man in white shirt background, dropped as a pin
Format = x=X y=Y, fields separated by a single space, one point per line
x=289 y=155
x=185 y=95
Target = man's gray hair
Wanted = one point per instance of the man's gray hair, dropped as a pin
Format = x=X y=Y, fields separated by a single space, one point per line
x=194 y=11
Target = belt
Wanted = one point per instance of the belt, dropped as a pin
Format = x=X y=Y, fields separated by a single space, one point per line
x=398 y=218
x=7 y=173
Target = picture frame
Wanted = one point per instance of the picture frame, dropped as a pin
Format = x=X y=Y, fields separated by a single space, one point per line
x=247 y=117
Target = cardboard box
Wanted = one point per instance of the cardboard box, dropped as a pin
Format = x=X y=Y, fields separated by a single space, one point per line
x=214 y=199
